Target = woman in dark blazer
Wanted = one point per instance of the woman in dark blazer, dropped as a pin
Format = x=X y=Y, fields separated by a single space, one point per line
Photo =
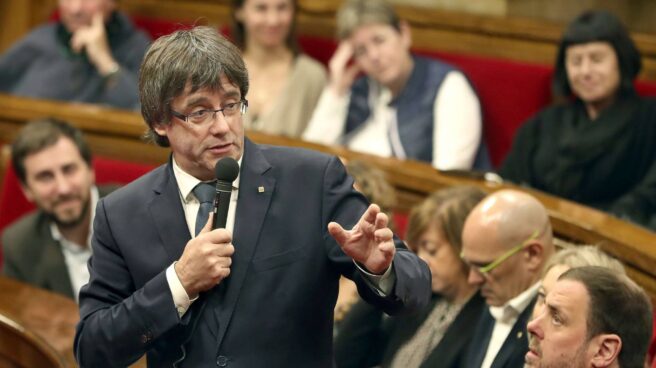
x=438 y=335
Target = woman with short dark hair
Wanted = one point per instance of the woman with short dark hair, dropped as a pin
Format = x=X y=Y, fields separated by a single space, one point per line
x=598 y=147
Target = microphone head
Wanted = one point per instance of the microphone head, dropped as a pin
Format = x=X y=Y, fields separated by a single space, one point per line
x=226 y=169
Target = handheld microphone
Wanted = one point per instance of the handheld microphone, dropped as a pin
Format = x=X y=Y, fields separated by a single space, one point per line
x=226 y=171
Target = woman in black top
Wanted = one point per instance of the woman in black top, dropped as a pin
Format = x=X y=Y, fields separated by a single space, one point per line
x=599 y=146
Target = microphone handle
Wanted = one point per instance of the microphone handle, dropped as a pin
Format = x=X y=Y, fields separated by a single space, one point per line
x=221 y=204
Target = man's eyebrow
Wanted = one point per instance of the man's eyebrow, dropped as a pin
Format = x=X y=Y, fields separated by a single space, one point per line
x=555 y=310
x=231 y=94
x=196 y=100
x=203 y=99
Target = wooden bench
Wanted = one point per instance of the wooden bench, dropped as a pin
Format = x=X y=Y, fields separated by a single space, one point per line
x=36 y=326
x=117 y=134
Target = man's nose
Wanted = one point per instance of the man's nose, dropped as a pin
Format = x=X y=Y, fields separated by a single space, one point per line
x=533 y=326
x=62 y=184
x=475 y=277
x=220 y=124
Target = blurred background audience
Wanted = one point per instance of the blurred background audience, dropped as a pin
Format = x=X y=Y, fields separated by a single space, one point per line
x=405 y=106
x=437 y=336
x=285 y=84
x=490 y=257
x=91 y=54
x=596 y=148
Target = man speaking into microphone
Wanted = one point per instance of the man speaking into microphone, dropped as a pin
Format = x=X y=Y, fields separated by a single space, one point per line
x=259 y=292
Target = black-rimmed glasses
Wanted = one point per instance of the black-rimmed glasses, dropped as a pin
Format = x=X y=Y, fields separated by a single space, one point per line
x=202 y=116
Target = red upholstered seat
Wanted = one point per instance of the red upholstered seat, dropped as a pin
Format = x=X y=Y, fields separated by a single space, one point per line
x=159 y=27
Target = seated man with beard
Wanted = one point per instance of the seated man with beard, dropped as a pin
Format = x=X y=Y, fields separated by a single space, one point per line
x=49 y=247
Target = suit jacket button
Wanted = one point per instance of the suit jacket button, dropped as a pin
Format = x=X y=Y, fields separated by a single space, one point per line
x=221 y=361
x=144 y=338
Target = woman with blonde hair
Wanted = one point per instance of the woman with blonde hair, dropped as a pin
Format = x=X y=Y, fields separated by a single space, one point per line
x=572 y=257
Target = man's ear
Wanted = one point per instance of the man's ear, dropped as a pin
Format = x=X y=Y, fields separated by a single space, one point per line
x=27 y=192
x=406 y=34
x=607 y=349
x=534 y=256
x=160 y=129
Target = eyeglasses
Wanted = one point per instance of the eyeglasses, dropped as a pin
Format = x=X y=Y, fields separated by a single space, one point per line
x=202 y=116
x=497 y=262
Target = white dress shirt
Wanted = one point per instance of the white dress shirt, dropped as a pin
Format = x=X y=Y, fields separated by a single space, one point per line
x=76 y=255
x=505 y=317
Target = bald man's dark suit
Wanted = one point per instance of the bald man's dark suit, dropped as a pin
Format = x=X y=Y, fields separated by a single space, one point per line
x=514 y=347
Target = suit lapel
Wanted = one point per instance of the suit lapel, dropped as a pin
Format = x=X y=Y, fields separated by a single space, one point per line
x=481 y=339
x=516 y=344
x=53 y=268
x=256 y=187
x=167 y=214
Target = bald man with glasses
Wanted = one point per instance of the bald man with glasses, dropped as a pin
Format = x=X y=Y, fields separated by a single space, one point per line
x=507 y=239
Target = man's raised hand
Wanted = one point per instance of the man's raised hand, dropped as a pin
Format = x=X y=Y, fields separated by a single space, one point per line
x=370 y=242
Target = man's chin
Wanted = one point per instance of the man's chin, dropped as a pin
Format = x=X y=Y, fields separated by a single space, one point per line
x=70 y=218
x=68 y=221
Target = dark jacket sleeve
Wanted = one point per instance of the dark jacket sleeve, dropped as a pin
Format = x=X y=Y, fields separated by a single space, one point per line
x=117 y=323
x=15 y=62
x=122 y=89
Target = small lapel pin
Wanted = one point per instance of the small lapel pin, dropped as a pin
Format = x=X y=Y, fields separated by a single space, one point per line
x=520 y=334
x=260 y=189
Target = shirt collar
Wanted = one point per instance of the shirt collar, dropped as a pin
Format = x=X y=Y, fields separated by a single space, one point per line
x=187 y=182
x=57 y=236
x=515 y=306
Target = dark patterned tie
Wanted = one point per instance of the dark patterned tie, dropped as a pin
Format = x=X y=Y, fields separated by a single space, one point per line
x=204 y=192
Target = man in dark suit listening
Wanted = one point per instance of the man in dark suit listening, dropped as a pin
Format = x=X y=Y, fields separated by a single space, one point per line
x=583 y=322
x=259 y=293
x=507 y=239
x=49 y=247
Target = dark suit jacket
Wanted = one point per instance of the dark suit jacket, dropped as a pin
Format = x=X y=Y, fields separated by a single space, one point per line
x=364 y=339
x=31 y=255
x=276 y=307
x=512 y=351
